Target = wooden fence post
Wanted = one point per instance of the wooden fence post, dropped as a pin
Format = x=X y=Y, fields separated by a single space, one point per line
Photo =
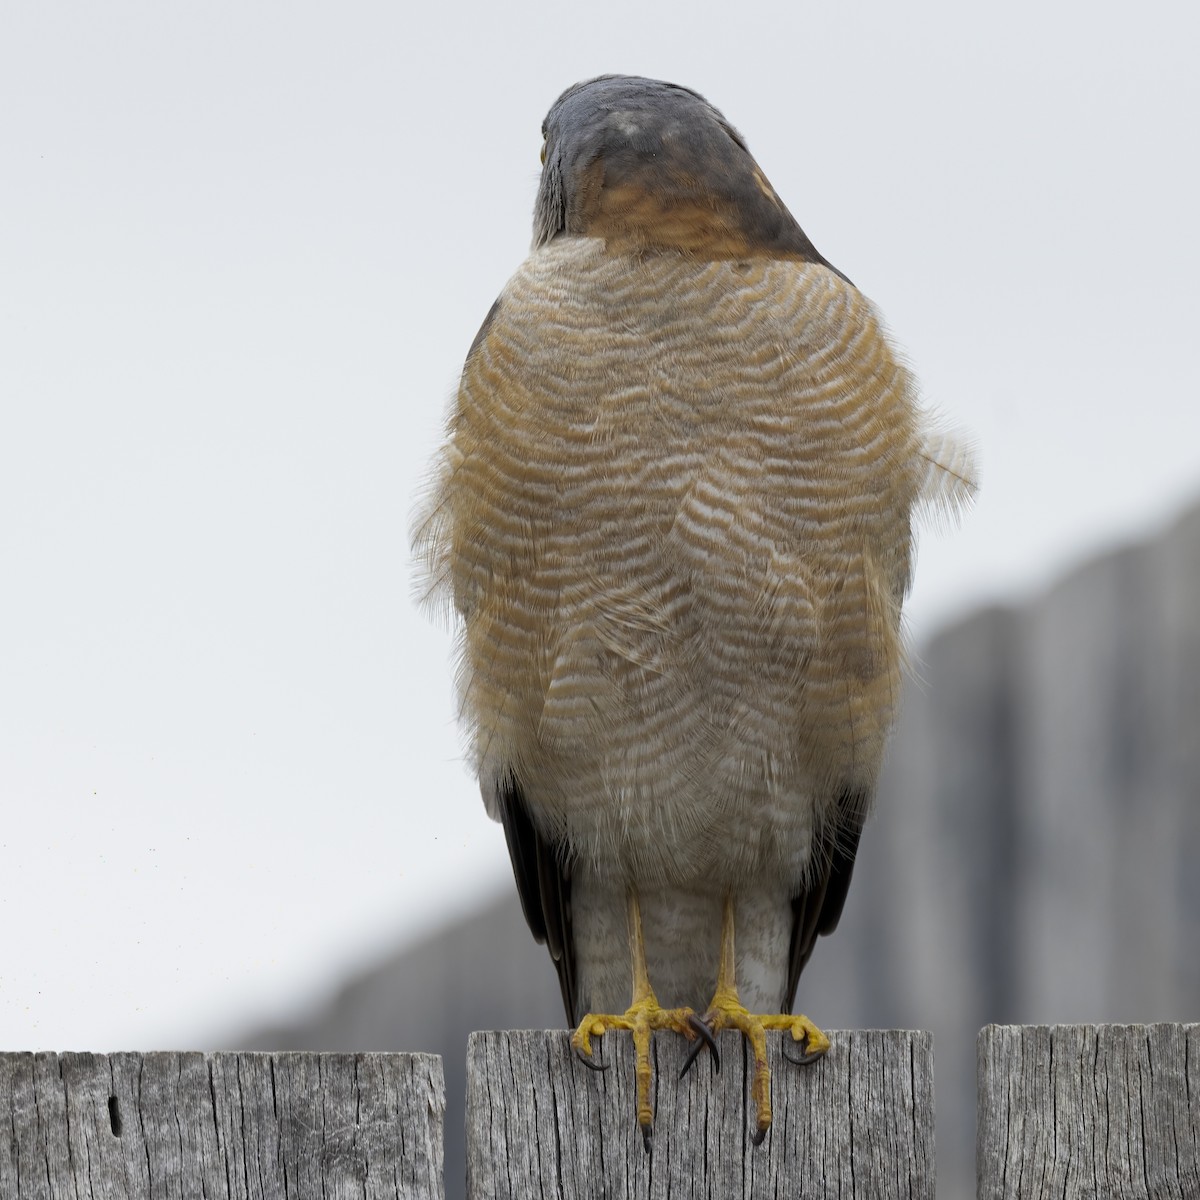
x=858 y=1123
x=241 y=1126
x=1074 y=1111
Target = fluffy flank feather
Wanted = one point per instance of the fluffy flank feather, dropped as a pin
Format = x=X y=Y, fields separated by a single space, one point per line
x=949 y=474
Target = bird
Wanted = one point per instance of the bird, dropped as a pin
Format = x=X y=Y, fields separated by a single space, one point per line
x=673 y=518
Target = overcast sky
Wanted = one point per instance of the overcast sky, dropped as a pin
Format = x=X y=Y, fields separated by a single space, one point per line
x=243 y=249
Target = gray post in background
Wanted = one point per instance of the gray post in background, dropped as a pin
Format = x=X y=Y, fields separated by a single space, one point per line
x=859 y=1122
x=242 y=1126
x=1083 y=1111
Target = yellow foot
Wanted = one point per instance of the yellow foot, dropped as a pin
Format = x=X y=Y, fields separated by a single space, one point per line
x=641 y=1019
x=727 y=1013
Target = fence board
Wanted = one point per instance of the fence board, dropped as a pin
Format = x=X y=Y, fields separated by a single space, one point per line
x=1075 y=1111
x=857 y=1123
x=236 y=1126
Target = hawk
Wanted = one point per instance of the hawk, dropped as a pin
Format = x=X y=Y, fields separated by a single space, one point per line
x=675 y=515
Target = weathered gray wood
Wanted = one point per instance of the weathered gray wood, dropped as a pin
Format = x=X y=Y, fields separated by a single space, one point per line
x=1075 y=1111
x=858 y=1123
x=234 y=1126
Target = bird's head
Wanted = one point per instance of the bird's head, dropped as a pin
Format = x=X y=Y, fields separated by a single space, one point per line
x=652 y=166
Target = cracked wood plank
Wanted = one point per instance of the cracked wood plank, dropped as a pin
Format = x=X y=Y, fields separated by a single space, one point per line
x=857 y=1123
x=1074 y=1111
x=229 y=1126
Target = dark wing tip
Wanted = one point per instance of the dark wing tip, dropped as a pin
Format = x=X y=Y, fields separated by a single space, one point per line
x=543 y=880
x=817 y=908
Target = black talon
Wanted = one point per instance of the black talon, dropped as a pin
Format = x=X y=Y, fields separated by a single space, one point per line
x=805 y=1059
x=705 y=1038
x=587 y=1061
x=757 y=1136
x=648 y=1138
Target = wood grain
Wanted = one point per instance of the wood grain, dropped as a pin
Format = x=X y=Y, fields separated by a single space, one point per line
x=858 y=1123
x=1074 y=1111
x=234 y=1126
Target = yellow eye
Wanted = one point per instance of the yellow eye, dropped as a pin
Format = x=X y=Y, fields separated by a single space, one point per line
x=543 y=154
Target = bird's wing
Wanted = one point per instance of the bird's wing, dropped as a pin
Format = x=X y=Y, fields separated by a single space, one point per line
x=543 y=880
x=817 y=907
x=540 y=865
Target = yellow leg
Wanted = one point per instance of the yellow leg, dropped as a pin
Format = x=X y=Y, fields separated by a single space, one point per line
x=643 y=1016
x=727 y=1012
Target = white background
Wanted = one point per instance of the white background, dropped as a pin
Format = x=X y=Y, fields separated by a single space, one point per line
x=243 y=249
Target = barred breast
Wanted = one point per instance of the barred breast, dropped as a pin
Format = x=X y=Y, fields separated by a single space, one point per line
x=675 y=514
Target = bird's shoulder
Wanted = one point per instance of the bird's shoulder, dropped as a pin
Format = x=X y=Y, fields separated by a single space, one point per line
x=577 y=301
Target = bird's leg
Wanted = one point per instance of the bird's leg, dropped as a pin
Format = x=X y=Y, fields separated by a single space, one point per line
x=643 y=1016
x=727 y=1012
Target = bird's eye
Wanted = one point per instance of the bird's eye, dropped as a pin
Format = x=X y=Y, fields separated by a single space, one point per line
x=543 y=154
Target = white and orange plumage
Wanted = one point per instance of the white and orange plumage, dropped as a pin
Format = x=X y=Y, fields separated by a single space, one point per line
x=674 y=514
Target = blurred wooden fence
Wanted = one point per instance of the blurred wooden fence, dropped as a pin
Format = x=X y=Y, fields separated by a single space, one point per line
x=1033 y=856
